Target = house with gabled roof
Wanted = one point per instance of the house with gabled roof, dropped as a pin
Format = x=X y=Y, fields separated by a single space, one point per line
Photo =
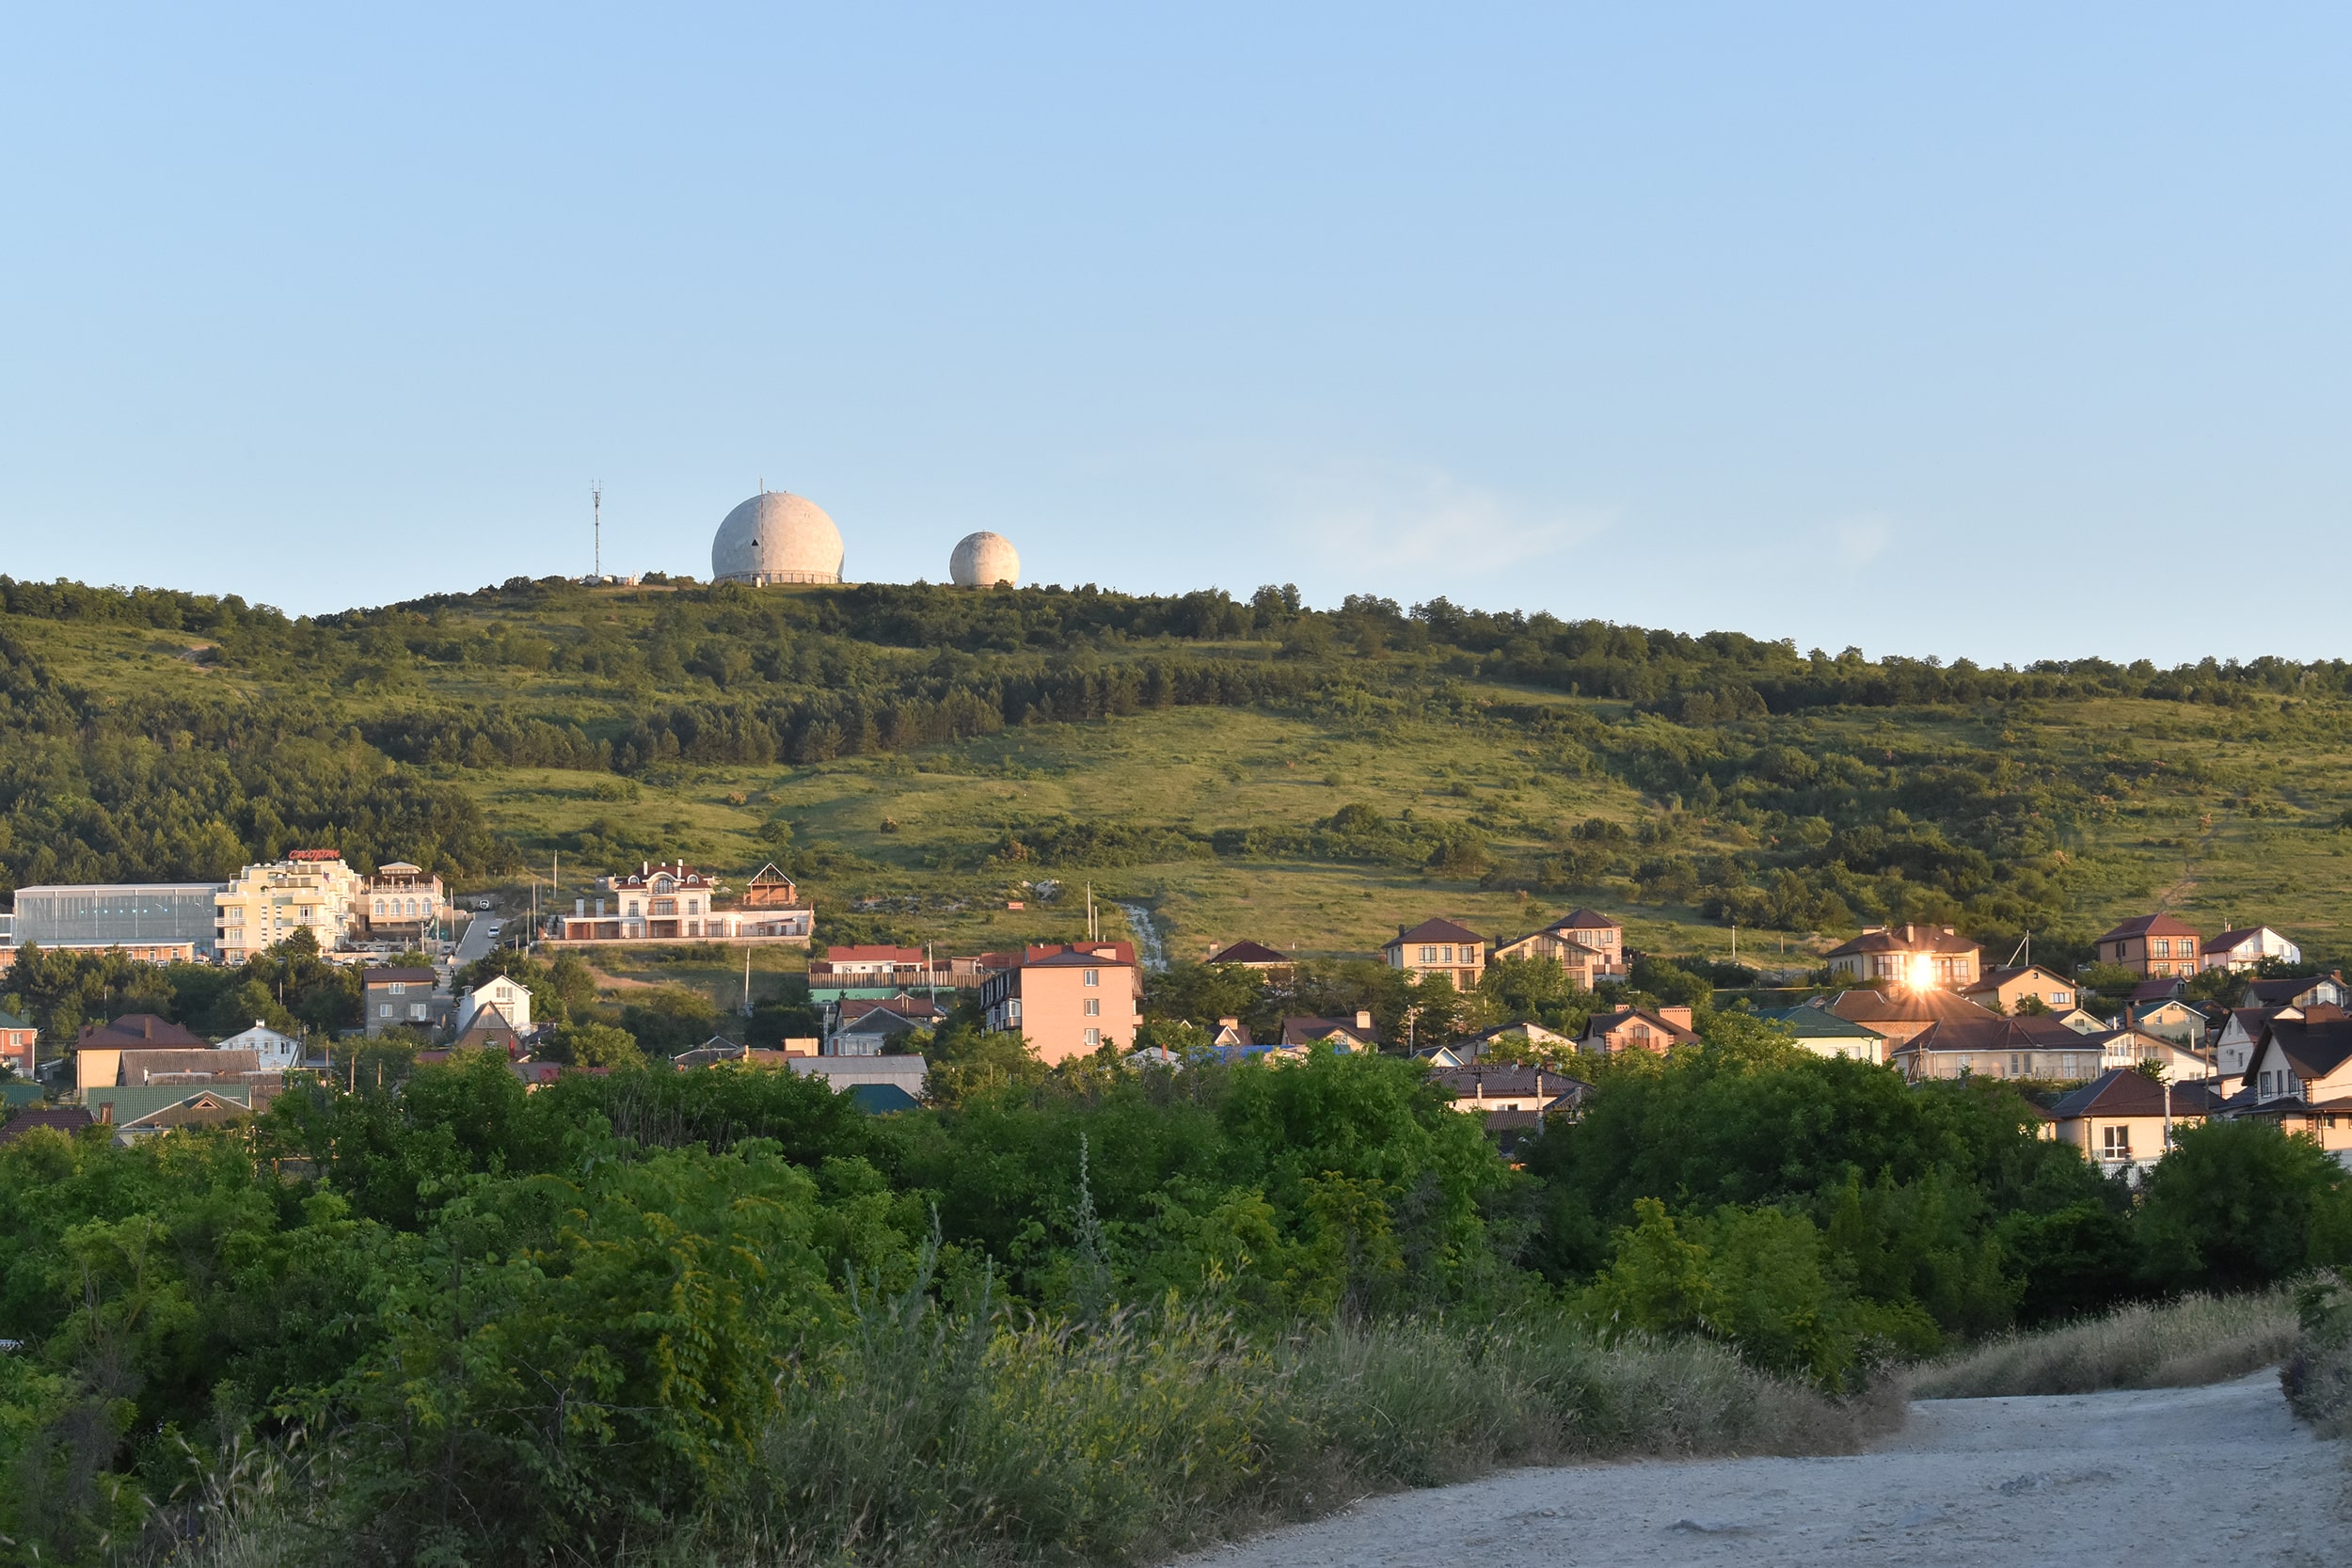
x=2181 y=1022
x=2247 y=947
x=2004 y=988
x=1654 y=1029
x=2302 y=1078
x=1514 y=1103
x=1439 y=947
x=2033 y=1046
x=1341 y=1034
x=2155 y=945
x=1587 y=944
x=1251 y=955
x=2303 y=991
x=1902 y=1015
x=1916 y=957
x=1824 y=1033
x=2124 y=1120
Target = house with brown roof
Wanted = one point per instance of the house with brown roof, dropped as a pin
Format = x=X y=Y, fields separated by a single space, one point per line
x=1903 y=1015
x=1439 y=947
x=2155 y=945
x=2000 y=990
x=1985 y=1046
x=2302 y=1078
x=2247 y=947
x=771 y=889
x=1916 y=957
x=1514 y=1103
x=2124 y=1120
x=67 y=1120
x=2300 y=991
x=1588 y=945
x=1653 y=1029
x=1251 y=955
x=1342 y=1034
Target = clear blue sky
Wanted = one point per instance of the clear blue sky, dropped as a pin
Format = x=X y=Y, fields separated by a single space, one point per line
x=2004 y=332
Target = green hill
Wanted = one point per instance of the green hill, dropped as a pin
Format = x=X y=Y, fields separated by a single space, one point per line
x=1237 y=767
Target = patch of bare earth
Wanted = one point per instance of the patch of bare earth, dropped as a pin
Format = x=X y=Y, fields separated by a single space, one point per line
x=2147 y=1478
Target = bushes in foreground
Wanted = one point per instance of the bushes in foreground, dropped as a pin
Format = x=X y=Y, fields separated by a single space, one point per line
x=933 y=1435
x=2198 y=1339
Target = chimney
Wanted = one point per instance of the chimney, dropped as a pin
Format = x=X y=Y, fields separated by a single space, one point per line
x=1363 y=1020
x=599 y=909
x=579 y=905
x=1679 y=1017
x=1228 y=1024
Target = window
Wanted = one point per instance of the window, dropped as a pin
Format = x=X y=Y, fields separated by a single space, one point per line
x=1429 y=955
x=1445 y=954
x=2061 y=999
x=1094 y=1007
x=416 y=1010
x=397 y=987
x=384 y=1010
x=2116 y=1144
x=2014 y=1070
x=2266 y=1085
x=665 y=906
x=1089 y=976
x=1094 y=1036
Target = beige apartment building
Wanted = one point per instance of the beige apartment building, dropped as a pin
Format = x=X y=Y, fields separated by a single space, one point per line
x=311 y=890
x=1067 y=1004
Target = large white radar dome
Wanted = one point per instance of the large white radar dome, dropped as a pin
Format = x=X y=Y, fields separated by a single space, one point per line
x=983 y=560
x=776 y=537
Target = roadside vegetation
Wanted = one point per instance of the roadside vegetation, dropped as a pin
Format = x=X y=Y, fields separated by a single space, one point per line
x=2176 y=1344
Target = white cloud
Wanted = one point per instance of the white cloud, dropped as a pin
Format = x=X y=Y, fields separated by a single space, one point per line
x=1386 y=518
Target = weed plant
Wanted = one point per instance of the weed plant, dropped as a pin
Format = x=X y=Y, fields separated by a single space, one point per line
x=2196 y=1340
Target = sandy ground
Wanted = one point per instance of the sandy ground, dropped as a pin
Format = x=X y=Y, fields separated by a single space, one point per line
x=2220 y=1475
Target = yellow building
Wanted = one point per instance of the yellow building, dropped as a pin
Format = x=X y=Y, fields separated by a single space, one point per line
x=311 y=890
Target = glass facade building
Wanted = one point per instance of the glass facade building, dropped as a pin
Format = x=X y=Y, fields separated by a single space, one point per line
x=117 y=916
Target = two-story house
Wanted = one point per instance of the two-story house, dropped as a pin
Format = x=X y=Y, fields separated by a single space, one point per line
x=1439 y=947
x=2155 y=945
x=1914 y=958
x=2003 y=988
x=1587 y=944
x=2302 y=1078
x=2247 y=947
x=401 y=999
x=1652 y=1029
x=20 y=1044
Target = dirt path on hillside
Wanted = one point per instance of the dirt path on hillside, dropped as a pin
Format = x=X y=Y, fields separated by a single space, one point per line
x=2219 y=1475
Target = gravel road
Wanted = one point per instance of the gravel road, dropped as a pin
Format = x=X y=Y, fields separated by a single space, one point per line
x=2220 y=1475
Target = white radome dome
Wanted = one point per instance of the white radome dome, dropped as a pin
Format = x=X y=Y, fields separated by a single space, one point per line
x=776 y=537
x=983 y=560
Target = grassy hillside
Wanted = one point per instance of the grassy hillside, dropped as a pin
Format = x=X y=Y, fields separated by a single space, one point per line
x=1254 y=769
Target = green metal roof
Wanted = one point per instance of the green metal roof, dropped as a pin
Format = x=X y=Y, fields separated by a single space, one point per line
x=135 y=1102
x=1812 y=1024
x=18 y=1094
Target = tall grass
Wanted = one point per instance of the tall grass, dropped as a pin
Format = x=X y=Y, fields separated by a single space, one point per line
x=936 y=1438
x=2199 y=1338
x=981 y=1437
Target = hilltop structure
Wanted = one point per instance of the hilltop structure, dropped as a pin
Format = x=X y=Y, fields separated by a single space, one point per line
x=984 y=559
x=776 y=537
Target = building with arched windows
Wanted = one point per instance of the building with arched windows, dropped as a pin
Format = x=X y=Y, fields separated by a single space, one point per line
x=401 y=902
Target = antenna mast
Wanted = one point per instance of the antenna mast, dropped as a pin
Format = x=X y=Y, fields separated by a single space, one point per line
x=596 y=502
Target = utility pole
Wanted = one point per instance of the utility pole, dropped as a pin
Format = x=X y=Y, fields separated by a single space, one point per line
x=596 y=501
